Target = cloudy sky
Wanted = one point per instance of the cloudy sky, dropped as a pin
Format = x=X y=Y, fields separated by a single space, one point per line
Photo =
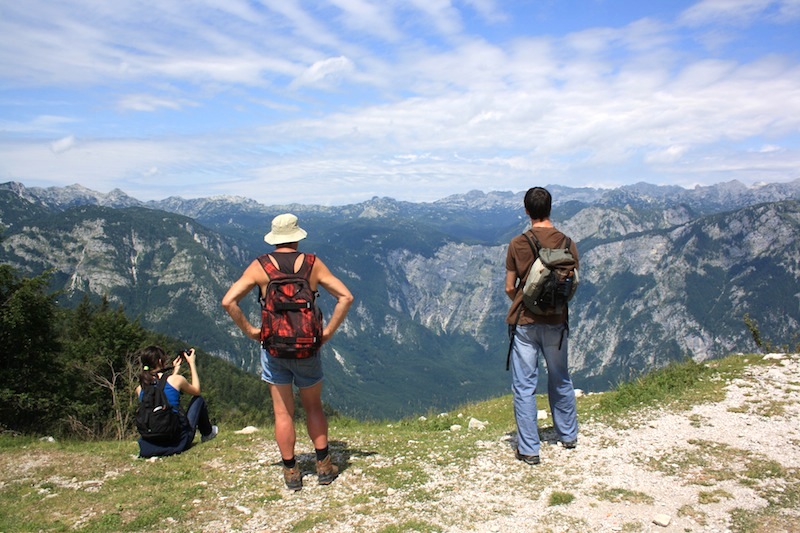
x=337 y=101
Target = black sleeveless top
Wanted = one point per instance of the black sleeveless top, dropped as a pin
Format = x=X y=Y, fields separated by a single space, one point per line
x=286 y=260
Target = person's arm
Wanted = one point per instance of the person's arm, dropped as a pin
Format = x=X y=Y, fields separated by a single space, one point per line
x=323 y=276
x=511 y=284
x=179 y=382
x=250 y=278
x=511 y=272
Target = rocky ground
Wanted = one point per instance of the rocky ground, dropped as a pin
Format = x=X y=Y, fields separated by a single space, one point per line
x=712 y=468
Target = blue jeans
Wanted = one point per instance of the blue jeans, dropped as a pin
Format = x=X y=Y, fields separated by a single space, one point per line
x=529 y=342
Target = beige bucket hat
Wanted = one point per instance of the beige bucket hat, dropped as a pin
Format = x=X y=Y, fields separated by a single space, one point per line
x=284 y=230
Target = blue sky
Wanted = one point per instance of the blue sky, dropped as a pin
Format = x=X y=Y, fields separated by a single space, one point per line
x=337 y=101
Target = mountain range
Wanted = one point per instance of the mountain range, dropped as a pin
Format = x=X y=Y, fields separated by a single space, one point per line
x=667 y=273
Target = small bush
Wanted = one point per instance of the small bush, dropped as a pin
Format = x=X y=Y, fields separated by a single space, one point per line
x=560 y=498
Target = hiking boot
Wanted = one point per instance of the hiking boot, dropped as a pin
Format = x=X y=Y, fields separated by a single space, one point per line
x=292 y=477
x=326 y=471
x=527 y=459
x=570 y=444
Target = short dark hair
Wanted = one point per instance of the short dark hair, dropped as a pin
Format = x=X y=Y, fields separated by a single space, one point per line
x=538 y=203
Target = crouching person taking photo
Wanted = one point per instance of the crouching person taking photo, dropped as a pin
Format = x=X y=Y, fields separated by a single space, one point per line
x=164 y=428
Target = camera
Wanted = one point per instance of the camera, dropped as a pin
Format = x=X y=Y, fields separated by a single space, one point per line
x=184 y=353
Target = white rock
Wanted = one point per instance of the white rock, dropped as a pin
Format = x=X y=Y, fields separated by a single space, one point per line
x=243 y=509
x=422 y=418
x=455 y=427
x=542 y=415
x=662 y=520
x=579 y=393
x=474 y=423
x=247 y=430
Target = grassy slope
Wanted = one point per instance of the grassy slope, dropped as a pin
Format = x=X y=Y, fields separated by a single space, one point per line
x=102 y=486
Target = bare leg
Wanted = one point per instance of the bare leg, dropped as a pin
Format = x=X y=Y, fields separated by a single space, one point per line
x=317 y=424
x=283 y=404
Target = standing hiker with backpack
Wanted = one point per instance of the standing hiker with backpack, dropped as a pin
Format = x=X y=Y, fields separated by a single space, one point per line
x=538 y=325
x=165 y=429
x=291 y=334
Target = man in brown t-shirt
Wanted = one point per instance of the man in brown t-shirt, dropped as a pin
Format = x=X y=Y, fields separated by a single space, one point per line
x=533 y=335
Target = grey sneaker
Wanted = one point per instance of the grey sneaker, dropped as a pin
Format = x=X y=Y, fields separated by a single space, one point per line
x=570 y=444
x=326 y=471
x=527 y=459
x=206 y=438
x=292 y=477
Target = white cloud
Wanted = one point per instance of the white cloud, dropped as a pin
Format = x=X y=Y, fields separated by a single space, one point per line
x=488 y=9
x=740 y=12
x=146 y=102
x=101 y=165
x=671 y=154
x=325 y=72
x=38 y=124
x=371 y=17
x=62 y=145
x=441 y=14
x=412 y=99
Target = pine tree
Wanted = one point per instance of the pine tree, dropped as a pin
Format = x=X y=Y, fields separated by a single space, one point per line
x=30 y=371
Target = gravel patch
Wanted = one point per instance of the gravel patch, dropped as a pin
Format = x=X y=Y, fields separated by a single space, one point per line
x=664 y=472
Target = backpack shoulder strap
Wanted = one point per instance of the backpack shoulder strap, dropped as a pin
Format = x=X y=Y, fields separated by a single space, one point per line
x=308 y=264
x=162 y=383
x=534 y=247
x=266 y=263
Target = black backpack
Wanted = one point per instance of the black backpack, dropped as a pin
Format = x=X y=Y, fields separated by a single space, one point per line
x=156 y=419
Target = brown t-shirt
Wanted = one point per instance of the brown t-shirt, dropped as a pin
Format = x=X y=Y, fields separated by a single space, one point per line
x=519 y=260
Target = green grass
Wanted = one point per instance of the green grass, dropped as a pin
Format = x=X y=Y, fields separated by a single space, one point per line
x=619 y=494
x=677 y=386
x=695 y=514
x=412 y=525
x=713 y=496
x=558 y=497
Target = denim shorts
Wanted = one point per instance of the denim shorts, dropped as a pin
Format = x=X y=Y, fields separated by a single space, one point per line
x=302 y=372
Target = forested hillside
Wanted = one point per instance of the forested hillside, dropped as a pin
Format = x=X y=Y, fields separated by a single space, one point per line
x=72 y=372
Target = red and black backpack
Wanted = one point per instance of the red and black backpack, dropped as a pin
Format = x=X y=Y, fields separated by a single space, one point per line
x=291 y=321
